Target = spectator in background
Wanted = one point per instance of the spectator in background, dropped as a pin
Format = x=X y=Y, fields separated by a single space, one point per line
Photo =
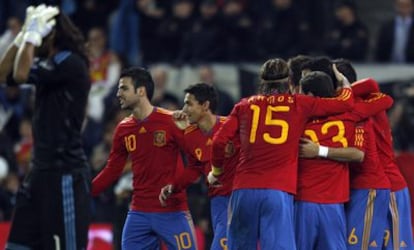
x=348 y=38
x=9 y=185
x=90 y=13
x=279 y=31
x=173 y=29
x=104 y=71
x=151 y=14
x=225 y=101
x=396 y=37
x=203 y=42
x=23 y=148
x=124 y=33
x=238 y=27
x=162 y=97
x=14 y=104
x=402 y=117
x=13 y=27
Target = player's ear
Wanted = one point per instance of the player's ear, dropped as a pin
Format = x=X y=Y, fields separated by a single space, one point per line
x=141 y=91
x=206 y=105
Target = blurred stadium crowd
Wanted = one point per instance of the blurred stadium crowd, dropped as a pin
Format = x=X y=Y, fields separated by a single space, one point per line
x=121 y=33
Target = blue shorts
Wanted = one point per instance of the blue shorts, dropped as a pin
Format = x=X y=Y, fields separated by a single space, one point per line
x=219 y=206
x=366 y=214
x=399 y=230
x=143 y=230
x=320 y=226
x=264 y=215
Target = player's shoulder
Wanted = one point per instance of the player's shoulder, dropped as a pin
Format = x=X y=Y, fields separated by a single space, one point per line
x=162 y=112
x=190 y=129
x=222 y=119
x=127 y=122
x=72 y=62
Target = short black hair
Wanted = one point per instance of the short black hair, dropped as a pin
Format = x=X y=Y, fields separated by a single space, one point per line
x=345 y=67
x=141 y=78
x=204 y=92
x=319 y=83
x=295 y=67
x=321 y=63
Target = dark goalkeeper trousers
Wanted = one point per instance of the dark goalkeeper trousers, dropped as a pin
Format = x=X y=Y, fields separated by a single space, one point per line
x=52 y=211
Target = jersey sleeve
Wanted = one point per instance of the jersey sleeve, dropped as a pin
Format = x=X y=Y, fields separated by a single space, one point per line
x=314 y=107
x=190 y=174
x=114 y=166
x=364 y=87
x=375 y=103
x=225 y=134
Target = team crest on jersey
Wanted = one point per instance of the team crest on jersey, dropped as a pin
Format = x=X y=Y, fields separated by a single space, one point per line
x=160 y=138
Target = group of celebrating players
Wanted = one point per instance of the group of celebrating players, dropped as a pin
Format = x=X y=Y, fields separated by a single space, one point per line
x=307 y=163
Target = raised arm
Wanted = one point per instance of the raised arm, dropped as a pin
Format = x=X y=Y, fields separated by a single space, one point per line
x=6 y=63
x=114 y=166
x=39 y=26
x=375 y=103
x=364 y=87
x=8 y=58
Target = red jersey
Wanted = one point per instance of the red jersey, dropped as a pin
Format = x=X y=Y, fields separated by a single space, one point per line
x=269 y=128
x=383 y=138
x=322 y=180
x=152 y=144
x=383 y=135
x=197 y=145
x=370 y=173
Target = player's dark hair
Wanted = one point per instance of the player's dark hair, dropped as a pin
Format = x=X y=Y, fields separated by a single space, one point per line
x=345 y=67
x=295 y=67
x=204 y=92
x=323 y=64
x=69 y=37
x=319 y=83
x=141 y=78
x=274 y=77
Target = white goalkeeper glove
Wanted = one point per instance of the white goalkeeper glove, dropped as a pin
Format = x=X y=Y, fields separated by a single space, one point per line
x=40 y=25
x=30 y=11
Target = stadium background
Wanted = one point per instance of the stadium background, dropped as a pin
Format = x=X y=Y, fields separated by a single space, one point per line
x=177 y=41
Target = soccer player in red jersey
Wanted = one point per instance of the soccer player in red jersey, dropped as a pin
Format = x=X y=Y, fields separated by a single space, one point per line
x=151 y=140
x=367 y=222
x=399 y=232
x=366 y=212
x=269 y=126
x=323 y=185
x=200 y=101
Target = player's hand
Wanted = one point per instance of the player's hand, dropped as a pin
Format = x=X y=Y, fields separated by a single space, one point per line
x=30 y=12
x=307 y=148
x=40 y=25
x=180 y=119
x=213 y=180
x=166 y=192
x=341 y=79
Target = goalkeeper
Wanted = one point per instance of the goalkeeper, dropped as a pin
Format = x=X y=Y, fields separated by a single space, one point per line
x=53 y=203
